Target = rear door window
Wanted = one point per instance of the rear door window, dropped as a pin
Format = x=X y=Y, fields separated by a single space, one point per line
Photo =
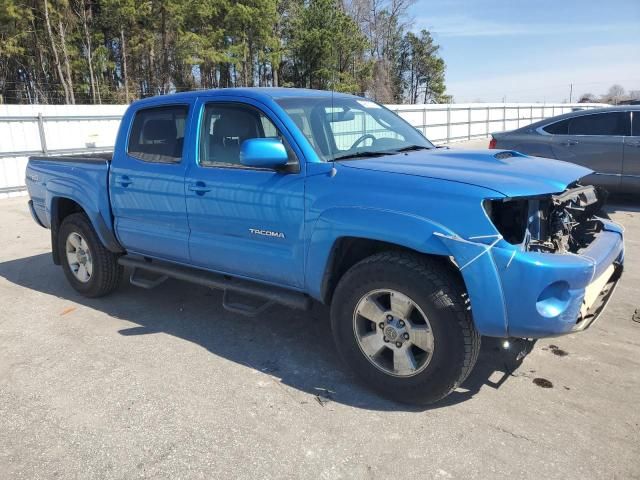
x=558 y=128
x=610 y=124
x=157 y=134
x=636 y=124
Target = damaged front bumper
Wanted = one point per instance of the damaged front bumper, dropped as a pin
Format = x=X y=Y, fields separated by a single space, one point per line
x=519 y=293
x=552 y=294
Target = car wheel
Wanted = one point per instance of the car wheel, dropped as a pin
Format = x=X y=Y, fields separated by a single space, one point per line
x=90 y=268
x=402 y=323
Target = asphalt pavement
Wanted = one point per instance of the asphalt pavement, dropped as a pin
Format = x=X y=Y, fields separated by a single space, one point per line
x=164 y=383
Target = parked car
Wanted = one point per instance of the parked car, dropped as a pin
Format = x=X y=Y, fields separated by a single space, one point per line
x=289 y=196
x=606 y=140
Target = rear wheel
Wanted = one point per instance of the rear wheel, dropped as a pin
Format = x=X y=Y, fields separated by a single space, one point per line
x=90 y=268
x=402 y=323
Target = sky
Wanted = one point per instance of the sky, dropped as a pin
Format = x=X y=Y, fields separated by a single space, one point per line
x=532 y=50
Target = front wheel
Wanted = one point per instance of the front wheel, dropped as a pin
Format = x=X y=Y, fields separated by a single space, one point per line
x=402 y=323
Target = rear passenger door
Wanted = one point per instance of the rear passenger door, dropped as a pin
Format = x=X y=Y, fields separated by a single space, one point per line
x=597 y=142
x=147 y=184
x=631 y=162
x=245 y=221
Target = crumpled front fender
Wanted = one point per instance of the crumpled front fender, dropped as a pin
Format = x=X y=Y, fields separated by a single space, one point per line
x=482 y=281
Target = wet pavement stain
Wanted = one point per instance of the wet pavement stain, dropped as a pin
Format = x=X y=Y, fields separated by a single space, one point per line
x=558 y=351
x=543 y=382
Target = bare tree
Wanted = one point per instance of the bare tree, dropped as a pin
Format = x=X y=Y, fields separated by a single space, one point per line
x=56 y=57
x=67 y=63
x=83 y=10
x=125 y=73
x=615 y=94
x=383 y=23
x=588 y=98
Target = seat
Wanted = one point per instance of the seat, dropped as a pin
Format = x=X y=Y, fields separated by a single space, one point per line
x=229 y=131
x=159 y=142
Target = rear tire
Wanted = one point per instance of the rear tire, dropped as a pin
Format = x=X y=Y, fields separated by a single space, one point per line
x=90 y=268
x=420 y=342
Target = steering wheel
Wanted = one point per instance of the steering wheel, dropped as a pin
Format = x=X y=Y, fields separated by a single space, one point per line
x=364 y=137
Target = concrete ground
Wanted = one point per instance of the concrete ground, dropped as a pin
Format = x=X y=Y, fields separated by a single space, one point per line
x=166 y=384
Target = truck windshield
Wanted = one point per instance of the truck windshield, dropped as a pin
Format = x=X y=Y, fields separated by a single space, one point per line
x=351 y=128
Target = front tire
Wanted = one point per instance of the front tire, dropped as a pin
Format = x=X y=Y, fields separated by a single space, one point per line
x=90 y=268
x=402 y=323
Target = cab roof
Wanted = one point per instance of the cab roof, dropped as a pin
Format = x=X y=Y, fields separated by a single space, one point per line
x=257 y=93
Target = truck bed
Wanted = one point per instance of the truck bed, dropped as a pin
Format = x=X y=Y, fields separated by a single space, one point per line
x=100 y=157
x=83 y=179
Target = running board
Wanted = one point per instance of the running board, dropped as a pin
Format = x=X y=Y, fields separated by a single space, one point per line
x=269 y=293
x=145 y=282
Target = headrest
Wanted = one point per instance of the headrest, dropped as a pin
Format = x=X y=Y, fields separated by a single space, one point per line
x=155 y=130
x=235 y=124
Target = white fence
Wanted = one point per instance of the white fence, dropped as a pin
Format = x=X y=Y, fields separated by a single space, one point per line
x=465 y=121
x=63 y=129
x=51 y=130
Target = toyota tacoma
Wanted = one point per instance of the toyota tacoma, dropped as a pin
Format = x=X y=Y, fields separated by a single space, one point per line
x=292 y=196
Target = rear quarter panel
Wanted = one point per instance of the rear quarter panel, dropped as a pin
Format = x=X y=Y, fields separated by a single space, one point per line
x=529 y=143
x=86 y=183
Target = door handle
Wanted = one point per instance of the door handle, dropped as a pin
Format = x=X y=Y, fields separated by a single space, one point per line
x=124 y=181
x=570 y=143
x=199 y=188
x=634 y=144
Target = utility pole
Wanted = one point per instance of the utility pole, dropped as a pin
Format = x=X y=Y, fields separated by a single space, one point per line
x=570 y=92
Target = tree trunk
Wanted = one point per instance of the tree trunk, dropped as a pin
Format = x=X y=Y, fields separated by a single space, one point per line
x=87 y=39
x=274 y=73
x=165 y=54
x=56 y=58
x=67 y=65
x=40 y=73
x=151 y=90
x=125 y=75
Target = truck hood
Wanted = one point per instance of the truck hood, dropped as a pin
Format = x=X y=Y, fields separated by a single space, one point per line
x=509 y=173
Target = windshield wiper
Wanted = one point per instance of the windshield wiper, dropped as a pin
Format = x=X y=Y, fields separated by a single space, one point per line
x=413 y=147
x=362 y=155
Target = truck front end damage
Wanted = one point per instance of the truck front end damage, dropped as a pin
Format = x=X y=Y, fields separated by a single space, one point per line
x=558 y=260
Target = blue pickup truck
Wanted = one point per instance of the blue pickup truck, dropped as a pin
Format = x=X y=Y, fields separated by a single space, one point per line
x=292 y=196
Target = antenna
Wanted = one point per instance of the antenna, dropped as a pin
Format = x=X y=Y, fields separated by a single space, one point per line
x=333 y=66
x=570 y=92
x=333 y=70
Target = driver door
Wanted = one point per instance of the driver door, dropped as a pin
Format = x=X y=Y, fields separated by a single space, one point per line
x=244 y=221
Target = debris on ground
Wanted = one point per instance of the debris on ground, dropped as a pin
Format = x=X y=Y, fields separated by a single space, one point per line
x=543 y=382
x=67 y=310
x=636 y=315
x=324 y=396
x=558 y=351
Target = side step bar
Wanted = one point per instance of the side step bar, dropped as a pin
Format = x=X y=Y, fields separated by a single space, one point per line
x=269 y=293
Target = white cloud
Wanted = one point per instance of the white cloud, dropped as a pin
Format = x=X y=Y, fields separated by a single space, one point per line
x=466 y=26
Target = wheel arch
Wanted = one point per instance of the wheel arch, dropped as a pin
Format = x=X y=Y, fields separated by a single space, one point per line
x=368 y=231
x=60 y=207
x=342 y=236
x=348 y=251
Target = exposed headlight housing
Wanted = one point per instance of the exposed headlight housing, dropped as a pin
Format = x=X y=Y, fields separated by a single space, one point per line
x=555 y=223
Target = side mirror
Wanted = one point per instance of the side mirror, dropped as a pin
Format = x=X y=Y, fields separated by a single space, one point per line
x=263 y=153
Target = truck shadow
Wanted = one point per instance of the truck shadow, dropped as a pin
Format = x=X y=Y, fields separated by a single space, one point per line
x=294 y=348
x=619 y=203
